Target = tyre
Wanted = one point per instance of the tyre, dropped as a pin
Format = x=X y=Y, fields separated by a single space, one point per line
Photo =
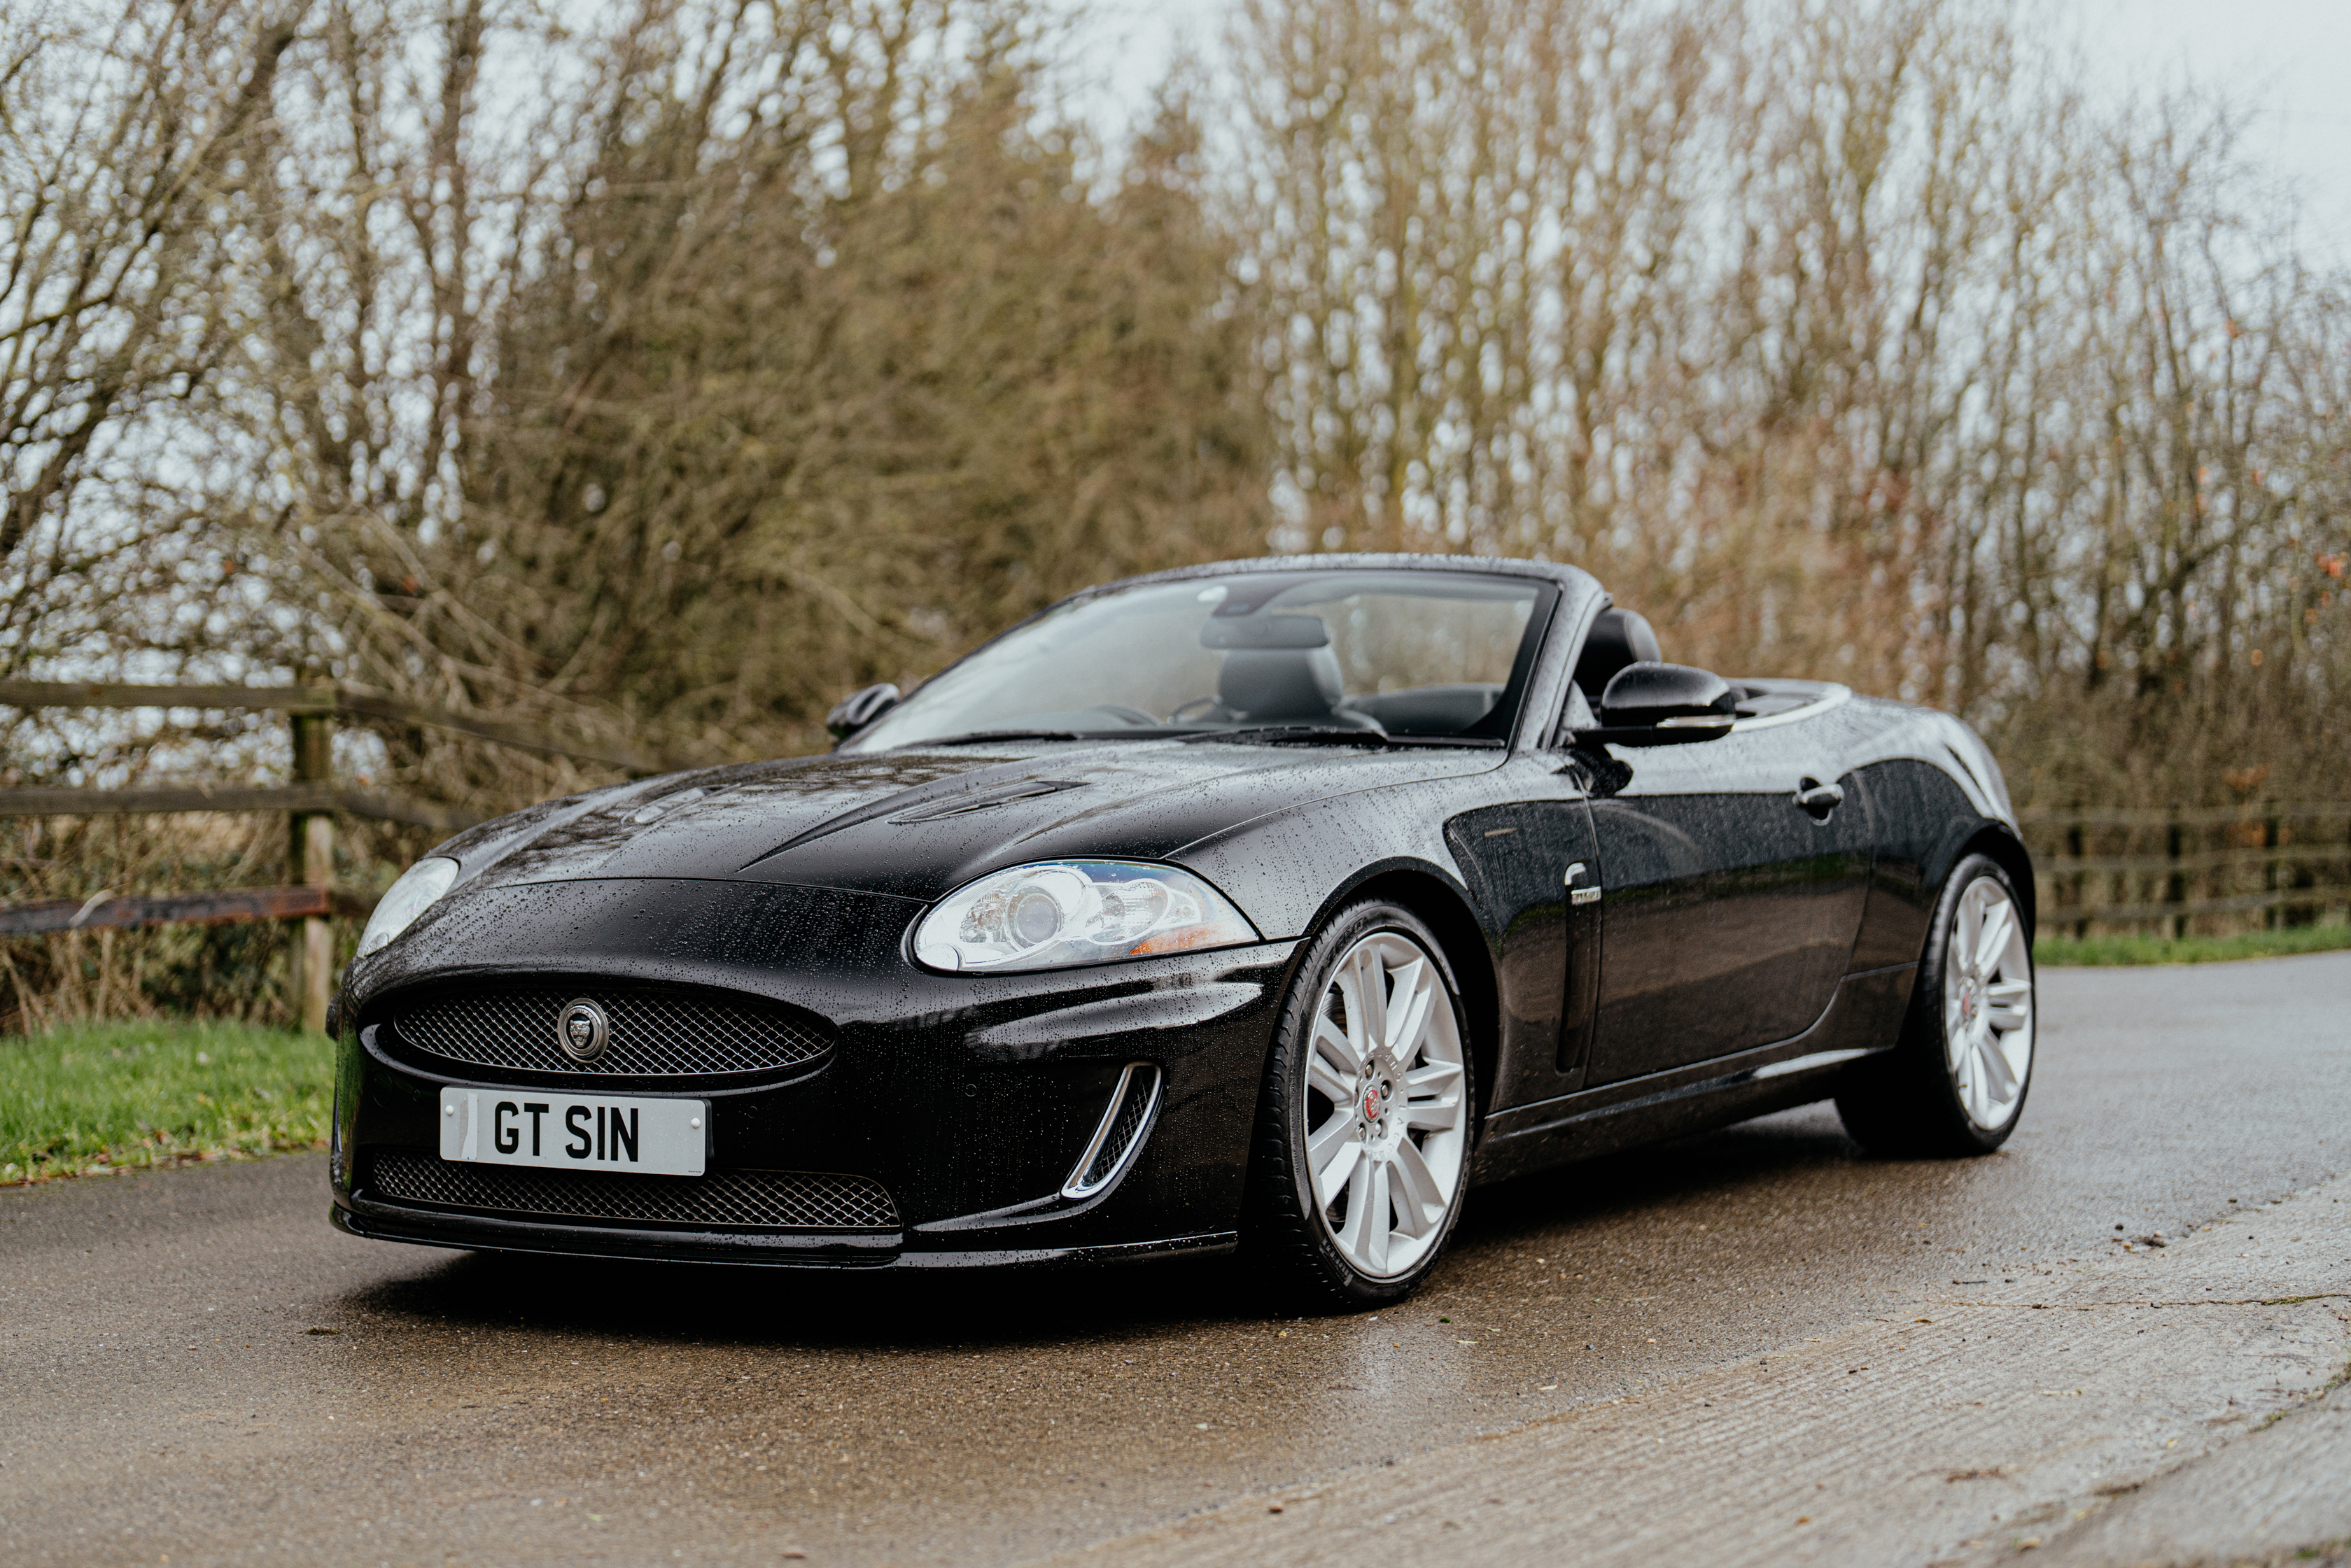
x=1364 y=1125
x=1956 y=1082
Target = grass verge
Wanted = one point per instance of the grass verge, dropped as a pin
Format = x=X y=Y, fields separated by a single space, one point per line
x=2048 y=951
x=97 y=1097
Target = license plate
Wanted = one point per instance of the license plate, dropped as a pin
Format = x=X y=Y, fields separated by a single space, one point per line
x=574 y=1132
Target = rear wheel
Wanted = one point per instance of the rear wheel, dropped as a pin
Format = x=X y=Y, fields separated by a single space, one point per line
x=1362 y=1138
x=1956 y=1083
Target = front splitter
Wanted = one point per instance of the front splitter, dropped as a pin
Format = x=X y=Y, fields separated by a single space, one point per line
x=865 y=1254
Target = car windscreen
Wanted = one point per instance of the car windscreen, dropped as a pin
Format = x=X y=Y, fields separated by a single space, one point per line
x=1409 y=654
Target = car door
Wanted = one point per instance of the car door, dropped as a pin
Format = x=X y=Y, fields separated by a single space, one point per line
x=1525 y=859
x=1729 y=910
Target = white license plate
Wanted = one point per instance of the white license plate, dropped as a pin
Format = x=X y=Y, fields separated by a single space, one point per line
x=574 y=1132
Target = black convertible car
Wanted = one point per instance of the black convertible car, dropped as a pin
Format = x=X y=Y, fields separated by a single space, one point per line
x=1267 y=905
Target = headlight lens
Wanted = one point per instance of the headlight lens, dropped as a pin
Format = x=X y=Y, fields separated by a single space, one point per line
x=407 y=898
x=1056 y=913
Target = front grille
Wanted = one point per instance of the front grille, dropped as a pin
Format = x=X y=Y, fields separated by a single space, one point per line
x=652 y=1034
x=723 y=1199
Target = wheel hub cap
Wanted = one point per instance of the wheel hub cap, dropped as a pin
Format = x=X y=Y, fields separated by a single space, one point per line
x=1988 y=1003
x=1386 y=1110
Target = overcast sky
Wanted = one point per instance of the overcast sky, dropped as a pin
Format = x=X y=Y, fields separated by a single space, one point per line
x=2289 y=59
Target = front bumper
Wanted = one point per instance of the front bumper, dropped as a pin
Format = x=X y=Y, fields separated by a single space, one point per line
x=969 y=1098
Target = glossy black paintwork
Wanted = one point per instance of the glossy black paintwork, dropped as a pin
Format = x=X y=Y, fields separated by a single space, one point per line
x=1735 y=934
x=1731 y=911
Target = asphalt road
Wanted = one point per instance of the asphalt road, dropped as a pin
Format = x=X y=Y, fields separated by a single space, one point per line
x=193 y=1368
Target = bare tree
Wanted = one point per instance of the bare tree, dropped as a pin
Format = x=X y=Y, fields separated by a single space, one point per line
x=125 y=137
x=1844 y=336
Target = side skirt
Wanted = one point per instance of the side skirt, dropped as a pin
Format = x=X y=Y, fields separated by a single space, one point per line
x=1863 y=1017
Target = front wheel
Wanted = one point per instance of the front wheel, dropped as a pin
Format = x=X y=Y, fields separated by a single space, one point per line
x=1956 y=1083
x=1363 y=1125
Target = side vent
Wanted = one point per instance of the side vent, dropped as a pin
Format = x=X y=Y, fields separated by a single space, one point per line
x=1124 y=1121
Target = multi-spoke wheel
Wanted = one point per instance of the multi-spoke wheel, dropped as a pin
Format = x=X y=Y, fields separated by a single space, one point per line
x=1958 y=1080
x=1364 y=1127
x=1988 y=1003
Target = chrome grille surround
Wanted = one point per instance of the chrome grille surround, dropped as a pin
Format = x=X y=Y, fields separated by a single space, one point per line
x=721 y=1200
x=651 y=1034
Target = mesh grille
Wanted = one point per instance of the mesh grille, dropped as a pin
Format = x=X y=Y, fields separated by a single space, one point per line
x=723 y=1199
x=1132 y=1111
x=653 y=1036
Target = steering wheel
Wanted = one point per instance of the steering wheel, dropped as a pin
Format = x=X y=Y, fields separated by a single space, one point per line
x=1186 y=711
x=1132 y=715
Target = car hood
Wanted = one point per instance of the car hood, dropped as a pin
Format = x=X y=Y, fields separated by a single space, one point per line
x=916 y=824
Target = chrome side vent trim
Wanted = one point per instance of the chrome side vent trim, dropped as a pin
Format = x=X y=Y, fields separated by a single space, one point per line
x=1119 y=1134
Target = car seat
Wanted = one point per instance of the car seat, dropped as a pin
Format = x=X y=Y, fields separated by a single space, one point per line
x=1618 y=638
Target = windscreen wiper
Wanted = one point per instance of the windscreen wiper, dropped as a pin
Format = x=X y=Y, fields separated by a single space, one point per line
x=972 y=737
x=1331 y=735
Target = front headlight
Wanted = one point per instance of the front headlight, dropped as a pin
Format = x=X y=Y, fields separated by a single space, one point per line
x=407 y=898
x=1062 y=913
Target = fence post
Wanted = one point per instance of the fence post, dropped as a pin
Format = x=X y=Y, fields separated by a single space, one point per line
x=2076 y=847
x=2175 y=886
x=2271 y=916
x=311 y=863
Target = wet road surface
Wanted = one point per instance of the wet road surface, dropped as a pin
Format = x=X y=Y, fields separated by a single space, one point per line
x=193 y=1367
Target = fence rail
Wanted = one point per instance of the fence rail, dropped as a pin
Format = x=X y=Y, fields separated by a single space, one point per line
x=2184 y=816
x=2190 y=868
x=353 y=702
x=201 y=797
x=117 y=911
x=310 y=803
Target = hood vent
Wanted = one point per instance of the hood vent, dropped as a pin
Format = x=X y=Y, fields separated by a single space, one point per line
x=984 y=800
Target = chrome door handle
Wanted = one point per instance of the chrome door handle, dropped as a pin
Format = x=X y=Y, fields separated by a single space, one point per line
x=1817 y=798
x=1576 y=895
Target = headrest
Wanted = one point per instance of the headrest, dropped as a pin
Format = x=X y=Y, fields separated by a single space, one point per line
x=1618 y=638
x=1278 y=684
x=1265 y=631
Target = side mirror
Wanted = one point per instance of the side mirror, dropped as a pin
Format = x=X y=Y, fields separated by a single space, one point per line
x=859 y=709
x=1652 y=705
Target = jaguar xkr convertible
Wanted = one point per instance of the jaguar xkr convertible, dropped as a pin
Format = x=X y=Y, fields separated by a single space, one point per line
x=1264 y=907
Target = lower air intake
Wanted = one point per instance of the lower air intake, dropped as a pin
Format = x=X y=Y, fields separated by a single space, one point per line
x=722 y=1200
x=1120 y=1133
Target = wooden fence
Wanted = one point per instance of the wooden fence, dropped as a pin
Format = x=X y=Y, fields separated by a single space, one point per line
x=2176 y=871
x=310 y=803
x=2190 y=870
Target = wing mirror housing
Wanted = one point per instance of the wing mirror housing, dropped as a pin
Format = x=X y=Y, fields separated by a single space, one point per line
x=859 y=709
x=1653 y=704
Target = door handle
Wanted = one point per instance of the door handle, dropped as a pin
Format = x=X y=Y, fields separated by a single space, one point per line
x=1818 y=799
x=1576 y=895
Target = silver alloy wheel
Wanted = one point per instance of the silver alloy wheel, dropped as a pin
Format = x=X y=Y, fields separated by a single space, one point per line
x=1384 y=1101
x=1988 y=1004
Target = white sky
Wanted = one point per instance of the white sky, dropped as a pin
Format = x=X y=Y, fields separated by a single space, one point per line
x=2290 y=60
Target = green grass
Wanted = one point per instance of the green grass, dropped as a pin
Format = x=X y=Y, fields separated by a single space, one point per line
x=109 y=1097
x=2049 y=952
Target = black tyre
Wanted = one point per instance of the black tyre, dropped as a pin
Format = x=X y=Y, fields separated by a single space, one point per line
x=1957 y=1081
x=1364 y=1124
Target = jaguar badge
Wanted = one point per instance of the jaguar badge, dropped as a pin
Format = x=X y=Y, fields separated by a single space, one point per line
x=582 y=1030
